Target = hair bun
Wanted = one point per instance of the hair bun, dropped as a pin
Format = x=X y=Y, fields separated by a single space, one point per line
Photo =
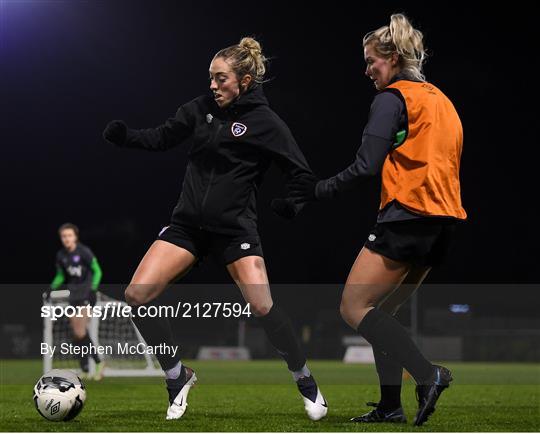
x=246 y=57
x=251 y=44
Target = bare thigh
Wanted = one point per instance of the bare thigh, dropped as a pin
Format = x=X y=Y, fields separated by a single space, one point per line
x=250 y=275
x=163 y=263
x=78 y=325
x=403 y=292
x=373 y=277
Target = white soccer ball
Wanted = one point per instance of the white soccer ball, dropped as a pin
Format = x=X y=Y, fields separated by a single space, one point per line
x=59 y=395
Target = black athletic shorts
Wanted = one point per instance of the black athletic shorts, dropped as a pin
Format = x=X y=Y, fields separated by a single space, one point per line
x=88 y=298
x=424 y=241
x=225 y=249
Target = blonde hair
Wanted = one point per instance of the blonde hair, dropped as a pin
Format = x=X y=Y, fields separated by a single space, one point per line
x=402 y=38
x=246 y=57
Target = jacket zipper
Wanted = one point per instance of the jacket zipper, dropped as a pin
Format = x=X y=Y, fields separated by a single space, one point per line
x=220 y=126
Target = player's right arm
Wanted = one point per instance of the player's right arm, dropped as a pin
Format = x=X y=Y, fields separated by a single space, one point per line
x=59 y=279
x=174 y=131
x=378 y=139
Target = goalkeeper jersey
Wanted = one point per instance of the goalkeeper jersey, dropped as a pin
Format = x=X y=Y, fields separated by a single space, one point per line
x=76 y=267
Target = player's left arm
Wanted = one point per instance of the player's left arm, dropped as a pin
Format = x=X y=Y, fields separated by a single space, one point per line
x=97 y=274
x=291 y=161
x=94 y=266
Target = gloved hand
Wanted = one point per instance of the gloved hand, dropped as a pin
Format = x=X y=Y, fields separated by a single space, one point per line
x=115 y=132
x=303 y=188
x=46 y=295
x=283 y=208
x=93 y=297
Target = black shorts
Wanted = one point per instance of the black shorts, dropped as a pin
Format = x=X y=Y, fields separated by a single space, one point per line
x=225 y=249
x=88 y=299
x=424 y=242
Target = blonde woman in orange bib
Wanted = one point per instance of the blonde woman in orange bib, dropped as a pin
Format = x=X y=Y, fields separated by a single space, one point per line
x=414 y=139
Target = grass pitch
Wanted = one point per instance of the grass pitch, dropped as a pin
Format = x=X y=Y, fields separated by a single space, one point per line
x=261 y=396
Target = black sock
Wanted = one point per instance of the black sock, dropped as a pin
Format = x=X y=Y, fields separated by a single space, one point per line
x=280 y=332
x=83 y=362
x=390 y=375
x=384 y=332
x=78 y=344
x=156 y=331
x=86 y=342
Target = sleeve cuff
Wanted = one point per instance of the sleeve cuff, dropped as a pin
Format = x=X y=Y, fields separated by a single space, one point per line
x=324 y=190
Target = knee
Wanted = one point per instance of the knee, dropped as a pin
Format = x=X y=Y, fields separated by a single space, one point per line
x=353 y=310
x=260 y=309
x=347 y=305
x=345 y=310
x=79 y=334
x=135 y=295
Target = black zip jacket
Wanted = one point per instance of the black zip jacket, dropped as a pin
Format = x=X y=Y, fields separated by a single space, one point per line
x=231 y=149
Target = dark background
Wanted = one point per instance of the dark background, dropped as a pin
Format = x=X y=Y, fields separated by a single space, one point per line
x=69 y=67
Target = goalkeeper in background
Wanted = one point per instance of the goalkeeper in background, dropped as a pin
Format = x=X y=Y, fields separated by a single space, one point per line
x=78 y=268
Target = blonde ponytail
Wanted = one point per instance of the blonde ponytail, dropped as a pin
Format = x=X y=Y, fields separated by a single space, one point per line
x=402 y=38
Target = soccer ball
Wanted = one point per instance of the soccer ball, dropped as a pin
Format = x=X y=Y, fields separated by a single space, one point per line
x=59 y=395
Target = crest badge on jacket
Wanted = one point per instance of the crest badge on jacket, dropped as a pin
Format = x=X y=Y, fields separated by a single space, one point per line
x=238 y=129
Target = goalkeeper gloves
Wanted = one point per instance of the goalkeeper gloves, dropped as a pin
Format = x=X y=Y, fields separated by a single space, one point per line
x=46 y=295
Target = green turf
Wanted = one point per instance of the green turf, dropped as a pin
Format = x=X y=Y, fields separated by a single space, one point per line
x=260 y=396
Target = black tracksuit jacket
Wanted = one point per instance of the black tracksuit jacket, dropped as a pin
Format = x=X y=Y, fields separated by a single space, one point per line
x=231 y=149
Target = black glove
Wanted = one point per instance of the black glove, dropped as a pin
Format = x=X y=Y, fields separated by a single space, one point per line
x=283 y=208
x=303 y=189
x=115 y=132
x=93 y=297
x=46 y=295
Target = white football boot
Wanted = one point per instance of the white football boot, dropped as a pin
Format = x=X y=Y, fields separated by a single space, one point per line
x=178 y=391
x=314 y=403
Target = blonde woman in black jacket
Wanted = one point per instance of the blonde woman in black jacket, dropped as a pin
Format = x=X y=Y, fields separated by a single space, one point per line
x=235 y=136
